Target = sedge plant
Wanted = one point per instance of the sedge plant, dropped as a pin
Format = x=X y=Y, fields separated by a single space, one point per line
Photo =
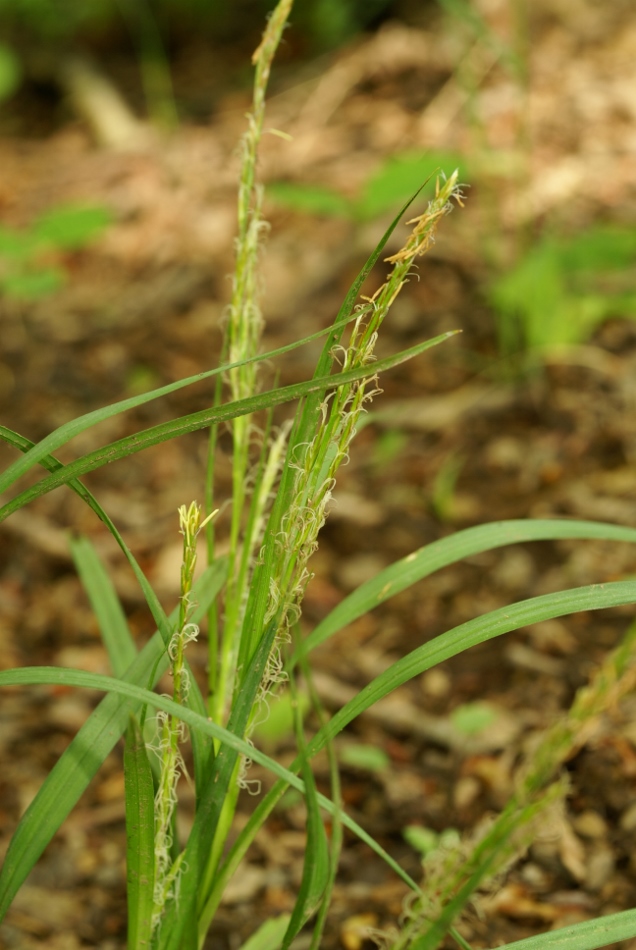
x=251 y=597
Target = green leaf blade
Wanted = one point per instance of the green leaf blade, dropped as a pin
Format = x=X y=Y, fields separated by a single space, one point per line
x=587 y=935
x=426 y=560
x=106 y=605
x=140 y=837
x=316 y=865
x=269 y=935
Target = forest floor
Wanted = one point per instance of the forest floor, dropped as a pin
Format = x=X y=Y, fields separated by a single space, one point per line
x=460 y=436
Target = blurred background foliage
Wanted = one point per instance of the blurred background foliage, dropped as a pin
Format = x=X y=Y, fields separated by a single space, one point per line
x=160 y=36
x=326 y=22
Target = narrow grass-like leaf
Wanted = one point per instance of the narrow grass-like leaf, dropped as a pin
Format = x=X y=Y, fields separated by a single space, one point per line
x=64 y=433
x=316 y=863
x=200 y=420
x=336 y=836
x=316 y=866
x=80 y=761
x=106 y=605
x=587 y=935
x=140 y=837
x=450 y=550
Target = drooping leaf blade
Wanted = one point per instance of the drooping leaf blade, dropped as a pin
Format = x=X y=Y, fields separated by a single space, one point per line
x=438 y=554
x=52 y=464
x=471 y=633
x=200 y=420
x=69 y=430
x=25 y=676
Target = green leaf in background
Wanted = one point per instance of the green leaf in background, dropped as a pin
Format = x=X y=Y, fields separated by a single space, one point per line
x=399 y=177
x=332 y=22
x=471 y=718
x=598 y=249
x=10 y=72
x=71 y=227
x=32 y=284
x=22 y=274
x=275 y=718
x=366 y=757
x=312 y=199
x=563 y=289
x=17 y=245
x=396 y=180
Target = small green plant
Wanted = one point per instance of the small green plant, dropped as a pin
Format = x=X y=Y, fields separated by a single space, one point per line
x=251 y=597
x=563 y=289
x=30 y=265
